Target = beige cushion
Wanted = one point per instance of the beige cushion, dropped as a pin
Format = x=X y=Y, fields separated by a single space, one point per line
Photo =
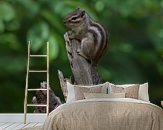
x=131 y=92
x=142 y=93
x=79 y=91
x=73 y=93
x=103 y=95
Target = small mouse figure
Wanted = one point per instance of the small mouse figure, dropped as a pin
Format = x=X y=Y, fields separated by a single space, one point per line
x=41 y=98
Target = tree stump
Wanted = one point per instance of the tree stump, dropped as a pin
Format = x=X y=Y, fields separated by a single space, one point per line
x=84 y=73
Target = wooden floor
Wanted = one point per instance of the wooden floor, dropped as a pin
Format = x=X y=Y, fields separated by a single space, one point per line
x=10 y=121
x=17 y=126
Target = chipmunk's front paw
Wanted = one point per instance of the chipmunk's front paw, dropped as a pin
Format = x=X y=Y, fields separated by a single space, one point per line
x=71 y=35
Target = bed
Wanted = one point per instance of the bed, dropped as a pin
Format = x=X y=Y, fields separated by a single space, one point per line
x=105 y=114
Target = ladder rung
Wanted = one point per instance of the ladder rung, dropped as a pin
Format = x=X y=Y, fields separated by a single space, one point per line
x=36 y=89
x=38 y=71
x=38 y=55
x=36 y=105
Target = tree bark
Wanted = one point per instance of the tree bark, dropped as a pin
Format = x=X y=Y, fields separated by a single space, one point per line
x=83 y=71
x=63 y=84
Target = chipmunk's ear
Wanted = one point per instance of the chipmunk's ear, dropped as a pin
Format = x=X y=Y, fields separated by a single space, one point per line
x=77 y=9
x=82 y=13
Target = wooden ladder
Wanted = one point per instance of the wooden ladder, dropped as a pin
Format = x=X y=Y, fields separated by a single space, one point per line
x=27 y=78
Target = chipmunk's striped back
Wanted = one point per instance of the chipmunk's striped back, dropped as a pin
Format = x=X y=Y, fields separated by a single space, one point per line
x=100 y=39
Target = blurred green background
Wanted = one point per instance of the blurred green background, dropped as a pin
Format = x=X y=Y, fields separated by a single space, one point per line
x=134 y=55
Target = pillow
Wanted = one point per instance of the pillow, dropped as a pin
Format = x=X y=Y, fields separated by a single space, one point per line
x=142 y=93
x=103 y=95
x=94 y=88
x=131 y=92
x=162 y=103
x=79 y=91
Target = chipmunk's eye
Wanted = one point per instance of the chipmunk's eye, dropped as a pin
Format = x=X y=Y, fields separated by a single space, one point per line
x=74 y=18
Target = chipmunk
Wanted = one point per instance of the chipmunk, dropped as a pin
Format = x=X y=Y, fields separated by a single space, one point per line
x=92 y=35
